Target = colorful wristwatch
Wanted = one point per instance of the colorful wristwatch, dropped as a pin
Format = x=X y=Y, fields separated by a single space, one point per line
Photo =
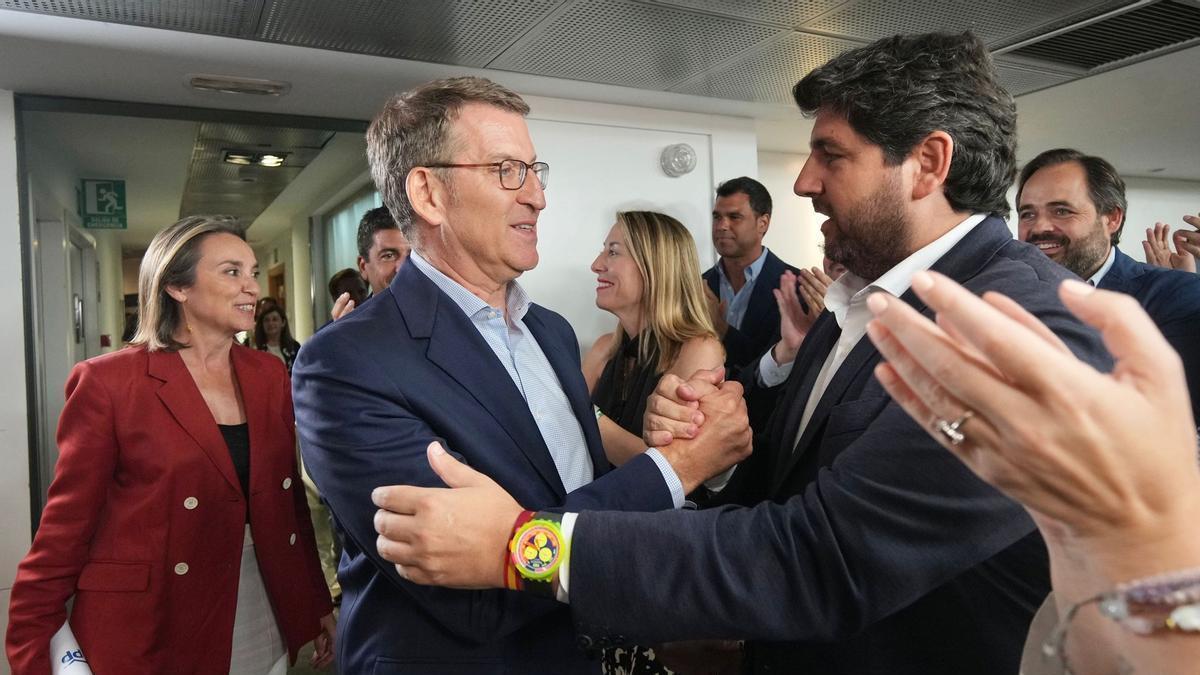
x=536 y=550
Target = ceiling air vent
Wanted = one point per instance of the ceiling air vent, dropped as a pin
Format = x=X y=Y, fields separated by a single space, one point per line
x=1123 y=36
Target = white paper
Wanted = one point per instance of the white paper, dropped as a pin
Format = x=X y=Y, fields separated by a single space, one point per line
x=66 y=658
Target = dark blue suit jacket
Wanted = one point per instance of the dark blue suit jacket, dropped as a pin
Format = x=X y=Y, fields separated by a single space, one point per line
x=876 y=552
x=760 y=325
x=371 y=391
x=1172 y=299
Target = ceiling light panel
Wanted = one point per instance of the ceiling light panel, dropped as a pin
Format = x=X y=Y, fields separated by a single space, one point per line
x=232 y=18
x=460 y=32
x=994 y=21
x=631 y=44
x=789 y=13
x=767 y=75
x=1019 y=80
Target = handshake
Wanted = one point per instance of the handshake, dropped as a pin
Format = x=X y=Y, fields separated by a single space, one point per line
x=700 y=425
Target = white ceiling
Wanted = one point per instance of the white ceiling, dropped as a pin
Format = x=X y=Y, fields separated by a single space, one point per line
x=1142 y=117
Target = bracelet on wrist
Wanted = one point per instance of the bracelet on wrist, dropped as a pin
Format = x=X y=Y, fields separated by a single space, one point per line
x=1167 y=602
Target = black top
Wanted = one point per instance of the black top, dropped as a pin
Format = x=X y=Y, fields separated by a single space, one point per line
x=237 y=437
x=624 y=385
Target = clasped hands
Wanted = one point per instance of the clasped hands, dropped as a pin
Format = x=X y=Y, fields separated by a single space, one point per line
x=700 y=425
x=456 y=536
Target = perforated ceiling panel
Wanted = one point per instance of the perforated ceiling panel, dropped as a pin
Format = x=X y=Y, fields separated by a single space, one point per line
x=790 y=13
x=233 y=18
x=768 y=75
x=638 y=45
x=1018 y=80
x=995 y=21
x=461 y=32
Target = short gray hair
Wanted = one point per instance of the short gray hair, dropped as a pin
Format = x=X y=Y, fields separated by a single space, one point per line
x=171 y=260
x=413 y=130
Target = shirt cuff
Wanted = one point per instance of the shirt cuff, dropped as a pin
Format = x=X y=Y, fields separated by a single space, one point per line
x=564 y=571
x=669 y=476
x=770 y=373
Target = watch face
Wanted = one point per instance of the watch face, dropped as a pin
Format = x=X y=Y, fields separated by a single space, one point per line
x=537 y=549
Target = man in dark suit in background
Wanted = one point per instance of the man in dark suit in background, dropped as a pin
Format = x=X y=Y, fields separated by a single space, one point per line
x=1072 y=206
x=455 y=350
x=876 y=551
x=740 y=300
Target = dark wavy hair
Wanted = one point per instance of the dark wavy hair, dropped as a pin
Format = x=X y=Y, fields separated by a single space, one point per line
x=756 y=193
x=1106 y=188
x=898 y=90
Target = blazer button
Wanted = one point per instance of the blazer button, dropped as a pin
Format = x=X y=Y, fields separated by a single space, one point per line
x=191 y=503
x=181 y=569
x=287 y=482
x=292 y=539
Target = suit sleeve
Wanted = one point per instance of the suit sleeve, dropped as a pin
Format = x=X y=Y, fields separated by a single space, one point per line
x=357 y=432
x=892 y=518
x=315 y=576
x=46 y=578
x=867 y=538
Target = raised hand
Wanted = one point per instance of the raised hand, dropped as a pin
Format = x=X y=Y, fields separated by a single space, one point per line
x=1090 y=454
x=794 y=321
x=1157 y=246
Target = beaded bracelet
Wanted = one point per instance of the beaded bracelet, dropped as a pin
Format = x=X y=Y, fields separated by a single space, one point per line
x=1162 y=603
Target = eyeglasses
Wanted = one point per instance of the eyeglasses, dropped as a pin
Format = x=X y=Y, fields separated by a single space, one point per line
x=512 y=171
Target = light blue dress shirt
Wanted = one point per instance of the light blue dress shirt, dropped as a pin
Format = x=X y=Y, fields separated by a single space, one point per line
x=736 y=303
x=518 y=350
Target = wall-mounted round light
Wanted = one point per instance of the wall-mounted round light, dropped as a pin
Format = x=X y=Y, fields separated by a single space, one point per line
x=677 y=160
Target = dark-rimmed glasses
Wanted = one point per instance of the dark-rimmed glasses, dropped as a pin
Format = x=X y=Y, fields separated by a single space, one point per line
x=512 y=171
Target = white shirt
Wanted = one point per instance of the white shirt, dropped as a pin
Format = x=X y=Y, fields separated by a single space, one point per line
x=1112 y=258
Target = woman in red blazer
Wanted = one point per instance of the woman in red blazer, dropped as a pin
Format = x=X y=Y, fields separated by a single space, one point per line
x=176 y=518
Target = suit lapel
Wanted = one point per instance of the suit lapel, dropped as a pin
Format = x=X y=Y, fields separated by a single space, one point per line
x=761 y=297
x=818 y=344
x=1119 y=275
x=570 y=378
x=960 y=264
x=860 y=356
x=183 y=400
x=460 y=351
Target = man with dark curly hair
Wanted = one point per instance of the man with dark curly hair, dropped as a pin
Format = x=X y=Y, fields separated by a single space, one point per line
x=870 y=548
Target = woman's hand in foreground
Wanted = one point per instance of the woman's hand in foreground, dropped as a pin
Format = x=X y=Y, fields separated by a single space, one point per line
x=1092 y=455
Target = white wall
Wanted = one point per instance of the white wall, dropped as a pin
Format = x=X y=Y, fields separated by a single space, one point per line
x=14 y=439
x=1154 y=200
x=604 y=159
x=795 y=233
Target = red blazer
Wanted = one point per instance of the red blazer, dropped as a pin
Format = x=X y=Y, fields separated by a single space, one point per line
x=145 y=519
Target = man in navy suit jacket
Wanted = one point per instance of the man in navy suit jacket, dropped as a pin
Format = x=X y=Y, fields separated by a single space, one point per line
x=1072 y=206
x=454 y=350
x=742 y=305
x=876 y=551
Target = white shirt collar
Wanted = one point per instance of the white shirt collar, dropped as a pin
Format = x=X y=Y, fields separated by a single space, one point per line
x=1112 y=258
x=850 y=289
x=516 y=299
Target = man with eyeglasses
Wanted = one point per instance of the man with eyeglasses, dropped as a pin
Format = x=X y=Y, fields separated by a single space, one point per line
x=454 y=350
